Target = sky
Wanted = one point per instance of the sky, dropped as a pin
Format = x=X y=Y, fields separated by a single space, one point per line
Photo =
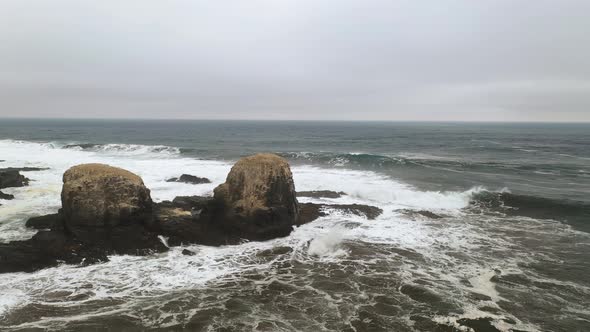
x=489 y=60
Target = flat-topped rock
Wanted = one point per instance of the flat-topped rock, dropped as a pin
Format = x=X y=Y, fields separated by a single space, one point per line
x=100 y=195
x=107 y=205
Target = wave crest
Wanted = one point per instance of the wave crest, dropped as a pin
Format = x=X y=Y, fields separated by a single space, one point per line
x=135 y=149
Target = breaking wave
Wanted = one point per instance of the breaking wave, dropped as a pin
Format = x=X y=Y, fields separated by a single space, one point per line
x=341 y=272
x=572 y=212
x=136 y=149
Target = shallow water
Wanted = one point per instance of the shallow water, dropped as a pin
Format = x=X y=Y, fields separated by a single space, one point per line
x=511 y=251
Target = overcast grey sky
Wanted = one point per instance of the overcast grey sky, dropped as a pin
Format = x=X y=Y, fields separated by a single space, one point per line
x=296 y=59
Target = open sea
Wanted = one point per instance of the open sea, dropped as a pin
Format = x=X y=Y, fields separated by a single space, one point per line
x=510 y=250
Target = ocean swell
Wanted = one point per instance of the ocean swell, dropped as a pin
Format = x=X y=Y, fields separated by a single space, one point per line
x=135 y=149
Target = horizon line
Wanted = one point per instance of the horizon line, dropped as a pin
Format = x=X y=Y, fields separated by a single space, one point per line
x=293 y=120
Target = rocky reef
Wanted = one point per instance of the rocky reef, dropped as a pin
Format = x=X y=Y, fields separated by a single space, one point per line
x=108 y=210
x=190 y=179
x=11 y=178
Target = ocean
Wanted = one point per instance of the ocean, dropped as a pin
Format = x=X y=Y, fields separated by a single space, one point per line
x=507 y=250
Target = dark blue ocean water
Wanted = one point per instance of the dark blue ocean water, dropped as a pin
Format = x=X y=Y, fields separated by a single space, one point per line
x=549 y=160
x=509 y=251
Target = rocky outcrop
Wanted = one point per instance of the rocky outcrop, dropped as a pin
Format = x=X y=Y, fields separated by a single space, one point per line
x=6 y=196
x=108 y=206
x=419 y=214
x=309 y=211
x=50 y=221
x=258 y=199
x=191 y=179
x=260 y=182
x=105 y=210
x=47 y=249
x=108 y=210
x=12 y=178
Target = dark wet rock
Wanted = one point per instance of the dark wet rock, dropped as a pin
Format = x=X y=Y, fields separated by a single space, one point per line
x=310 y=211
x=46 y=249
x=187 y=178
x=50 y=221
x=187 y=252
x=420 y=294
x=6 y=196
x=179 y=225
x=23 y=169
x=12 y=178
x=420 y=213
x=321 y=194
x=28 y=256
x=82 y=146
x=191 y=202
x=367 y=211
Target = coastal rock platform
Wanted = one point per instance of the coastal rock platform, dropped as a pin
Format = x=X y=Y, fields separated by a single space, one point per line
x=108 y=210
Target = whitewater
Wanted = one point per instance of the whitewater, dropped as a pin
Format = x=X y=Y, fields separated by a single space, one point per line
x=342 y=272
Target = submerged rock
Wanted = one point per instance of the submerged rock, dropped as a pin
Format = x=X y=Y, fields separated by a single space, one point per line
x=186 y=178
x=23 y=169
x=12 y=178
x=6 y=196
x=309 y=211
x=321 y=194
x=420 y=213
x=187 y=252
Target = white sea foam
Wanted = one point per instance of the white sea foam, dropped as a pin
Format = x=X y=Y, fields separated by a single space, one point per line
x=327 y=244
x=128 y=276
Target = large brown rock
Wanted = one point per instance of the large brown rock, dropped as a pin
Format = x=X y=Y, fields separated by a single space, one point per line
x=259 y=182
x=107 y=205
x=258 y=197
x=102 y=195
